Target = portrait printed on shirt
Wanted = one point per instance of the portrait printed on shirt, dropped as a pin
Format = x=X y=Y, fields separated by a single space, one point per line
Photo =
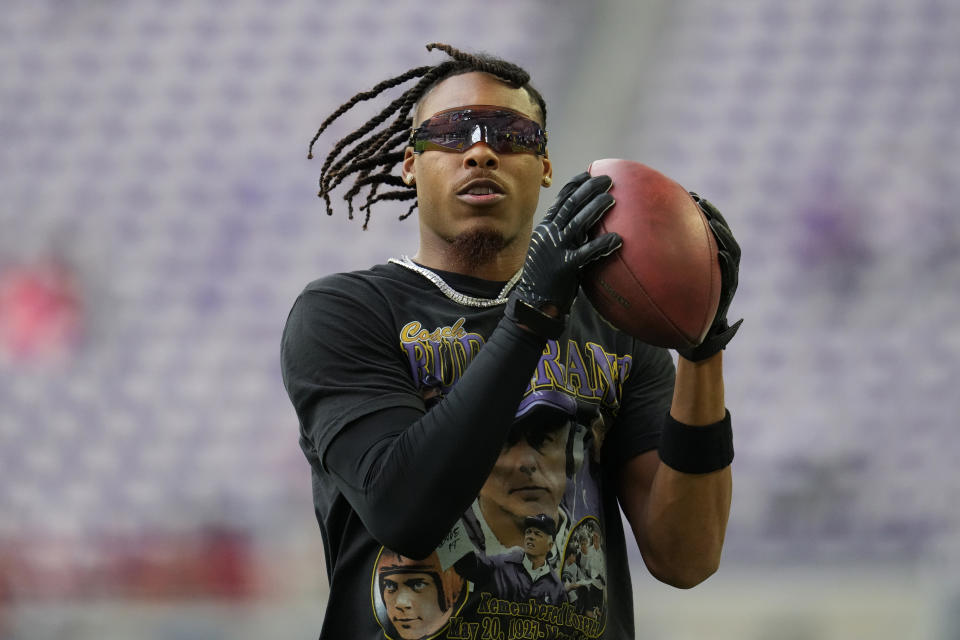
x=509 y=565
x=584 y=569
x=526 y=558
x=414 y=599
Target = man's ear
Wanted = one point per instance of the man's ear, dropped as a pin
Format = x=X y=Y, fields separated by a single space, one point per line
x=547 y=169
x=408 y=168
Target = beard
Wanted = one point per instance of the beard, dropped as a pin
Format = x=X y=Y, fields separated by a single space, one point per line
x=476 y=248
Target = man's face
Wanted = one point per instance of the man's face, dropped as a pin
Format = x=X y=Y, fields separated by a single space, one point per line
x=529 y=477
x=412 y=603
x=536 y=543
x=446 y=211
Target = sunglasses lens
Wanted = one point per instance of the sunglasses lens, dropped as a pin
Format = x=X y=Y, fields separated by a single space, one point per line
x=515 y=135
x=504 y=131
x=447 y=136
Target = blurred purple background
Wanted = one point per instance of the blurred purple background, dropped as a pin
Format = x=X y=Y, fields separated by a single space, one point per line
x=158 y=216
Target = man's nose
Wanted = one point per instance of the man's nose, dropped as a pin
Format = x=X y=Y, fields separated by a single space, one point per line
x=528 y=460
x=481 y=155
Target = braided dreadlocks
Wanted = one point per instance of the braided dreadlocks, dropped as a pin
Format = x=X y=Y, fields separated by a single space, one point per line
x=378 y=145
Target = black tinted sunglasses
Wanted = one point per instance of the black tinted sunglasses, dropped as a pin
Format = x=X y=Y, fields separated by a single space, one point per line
x=458 y=129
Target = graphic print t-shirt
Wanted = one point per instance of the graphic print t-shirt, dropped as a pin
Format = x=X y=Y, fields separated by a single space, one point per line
x=360 y=342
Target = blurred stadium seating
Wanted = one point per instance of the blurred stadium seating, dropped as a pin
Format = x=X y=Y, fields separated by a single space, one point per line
x=158 y=217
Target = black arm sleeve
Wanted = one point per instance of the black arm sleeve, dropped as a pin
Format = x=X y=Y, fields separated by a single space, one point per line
x=410 y=475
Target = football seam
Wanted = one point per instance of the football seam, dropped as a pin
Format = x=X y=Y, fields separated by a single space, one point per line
x=650 y=300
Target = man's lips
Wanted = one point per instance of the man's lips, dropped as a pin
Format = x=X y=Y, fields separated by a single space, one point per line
x=481 y=191
x=480 y=186
x=528 y=489
x=484 y=199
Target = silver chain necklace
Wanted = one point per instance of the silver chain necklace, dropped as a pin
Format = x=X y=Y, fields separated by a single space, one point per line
x=453 y=294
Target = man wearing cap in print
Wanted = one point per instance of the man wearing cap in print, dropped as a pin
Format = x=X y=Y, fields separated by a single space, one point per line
x=542 y=453
x=523 y=573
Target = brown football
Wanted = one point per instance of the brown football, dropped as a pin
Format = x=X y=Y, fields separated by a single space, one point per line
x=663 y=285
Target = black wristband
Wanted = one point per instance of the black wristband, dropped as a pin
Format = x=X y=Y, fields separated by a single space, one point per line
x=537 y=321
x=691 y=449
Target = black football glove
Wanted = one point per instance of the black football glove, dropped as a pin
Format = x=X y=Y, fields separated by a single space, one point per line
x=728 y=254
x=559 y=249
